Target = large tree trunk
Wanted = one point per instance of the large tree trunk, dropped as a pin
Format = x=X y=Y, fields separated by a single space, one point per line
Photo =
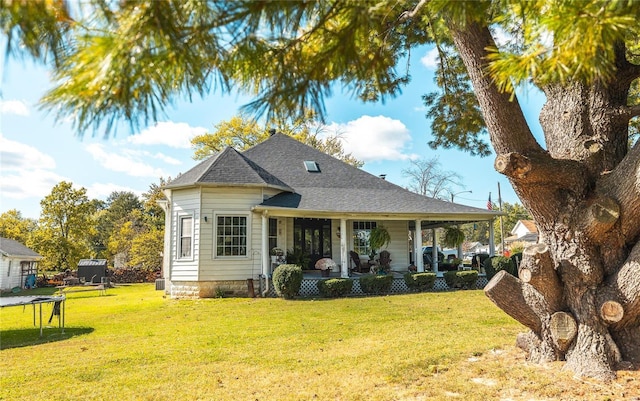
x=578 y=290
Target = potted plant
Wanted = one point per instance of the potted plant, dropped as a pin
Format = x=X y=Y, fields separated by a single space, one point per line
x=378 y=237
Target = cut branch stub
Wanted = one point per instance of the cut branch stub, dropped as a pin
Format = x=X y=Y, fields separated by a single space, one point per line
x=611 y=311
x=512 y=165
x=537 y=269
x=563 y=329
x=506 y=291
x=619 y=298
x=601 y=215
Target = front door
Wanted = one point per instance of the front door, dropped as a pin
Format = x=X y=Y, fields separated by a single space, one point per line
x=313 y=237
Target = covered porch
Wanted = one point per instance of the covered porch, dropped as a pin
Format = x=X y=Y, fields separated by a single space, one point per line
x=336 y=237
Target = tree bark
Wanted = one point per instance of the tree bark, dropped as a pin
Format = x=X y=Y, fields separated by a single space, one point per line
x=579 y=291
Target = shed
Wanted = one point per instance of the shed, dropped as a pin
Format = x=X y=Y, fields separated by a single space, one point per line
x=93 y=270
x=18 y=265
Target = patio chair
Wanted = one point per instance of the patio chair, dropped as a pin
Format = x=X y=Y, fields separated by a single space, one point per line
x=385 y=261
x=356 y=261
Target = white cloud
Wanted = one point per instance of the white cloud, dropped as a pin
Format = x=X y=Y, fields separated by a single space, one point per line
x=23 y=184
x=123 y=162
x=102 y=191
x=175 y=135
x=18 y=156
x=26 y=172
x=374 y=138
x=430 y=60
x=16 y=107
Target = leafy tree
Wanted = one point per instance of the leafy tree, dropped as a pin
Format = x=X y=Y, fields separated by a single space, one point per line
x=426 y=177
x=14 y=226
x=153 y=213
x=580 y=185
x=147 y=248
x=65 y=227
x=242 y=132
x=119 y=208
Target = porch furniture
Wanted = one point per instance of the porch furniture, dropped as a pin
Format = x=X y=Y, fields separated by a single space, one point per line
x=355 y=258
x=385 y=259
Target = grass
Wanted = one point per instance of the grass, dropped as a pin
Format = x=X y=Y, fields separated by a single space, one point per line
x=135 y=344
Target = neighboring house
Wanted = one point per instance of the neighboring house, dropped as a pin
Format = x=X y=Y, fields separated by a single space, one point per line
x=18 y=265
x=225 y=215
x=476 y=247
x=524 y=231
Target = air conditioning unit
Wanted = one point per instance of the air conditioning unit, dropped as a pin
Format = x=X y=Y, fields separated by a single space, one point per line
x=159 y=284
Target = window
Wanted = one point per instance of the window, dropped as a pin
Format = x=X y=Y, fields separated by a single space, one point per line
x=311 y=166
x=231 y=235
x=186 y=237
x=361 y=231
x=273 y=233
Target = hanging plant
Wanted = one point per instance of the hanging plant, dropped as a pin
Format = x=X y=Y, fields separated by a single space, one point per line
x=453 y=236
x=378 y=237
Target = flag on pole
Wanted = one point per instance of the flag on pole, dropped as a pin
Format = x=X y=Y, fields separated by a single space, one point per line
x=489 y=204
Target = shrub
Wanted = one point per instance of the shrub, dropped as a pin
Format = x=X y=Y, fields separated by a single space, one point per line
x=419 y=281
x=497 y=263
x=516 y=258
x=287 y=280
x=461 y=279
x=376 y=284
x=335 y=287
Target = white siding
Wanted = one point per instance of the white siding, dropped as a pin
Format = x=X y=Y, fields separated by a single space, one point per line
x=8 y=280
x=185 y=202
x=399 y=245
x=236 y=201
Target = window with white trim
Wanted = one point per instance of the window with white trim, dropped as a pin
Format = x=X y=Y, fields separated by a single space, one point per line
x=231 y=235
x=186 y=237
x=361 y=231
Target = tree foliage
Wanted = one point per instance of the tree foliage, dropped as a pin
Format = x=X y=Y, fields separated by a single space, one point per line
x=65 y=225
x=16 y=227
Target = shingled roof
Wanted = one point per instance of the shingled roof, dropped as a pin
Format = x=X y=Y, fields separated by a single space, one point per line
x=228 y=167
x=336 y=188
x=10 y=247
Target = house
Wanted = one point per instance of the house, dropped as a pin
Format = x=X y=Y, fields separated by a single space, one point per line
x=224 y=216
x=18 y=265
x=524 y=231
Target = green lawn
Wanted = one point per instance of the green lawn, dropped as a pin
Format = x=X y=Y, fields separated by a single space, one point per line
x=134 y=343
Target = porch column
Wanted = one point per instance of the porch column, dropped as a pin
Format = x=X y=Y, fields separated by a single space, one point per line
x=492 y=239
x=344 y=255
x=266 y=259
x=434 y=251
x=417 y=247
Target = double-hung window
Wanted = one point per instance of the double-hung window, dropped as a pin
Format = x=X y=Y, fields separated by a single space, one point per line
x=231 y=235
x=361 y=231
x=185 y=250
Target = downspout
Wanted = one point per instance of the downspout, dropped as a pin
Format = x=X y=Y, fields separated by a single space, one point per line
x=265 y=252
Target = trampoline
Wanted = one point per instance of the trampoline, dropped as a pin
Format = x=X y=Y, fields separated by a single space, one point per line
x=57 y=301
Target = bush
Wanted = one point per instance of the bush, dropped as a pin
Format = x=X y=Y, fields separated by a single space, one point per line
x=419 y=281
x=516 y=258
x=335 y=287
x=495 y=264
x=461 y=279
x=287 y=280
x=376 y=284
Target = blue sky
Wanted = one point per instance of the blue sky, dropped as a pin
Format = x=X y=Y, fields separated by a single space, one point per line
x=36 y=153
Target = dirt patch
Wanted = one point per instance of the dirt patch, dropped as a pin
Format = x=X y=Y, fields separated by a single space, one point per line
x=549 y=381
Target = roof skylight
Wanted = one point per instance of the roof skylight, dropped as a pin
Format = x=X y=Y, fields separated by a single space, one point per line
x=311 y=166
